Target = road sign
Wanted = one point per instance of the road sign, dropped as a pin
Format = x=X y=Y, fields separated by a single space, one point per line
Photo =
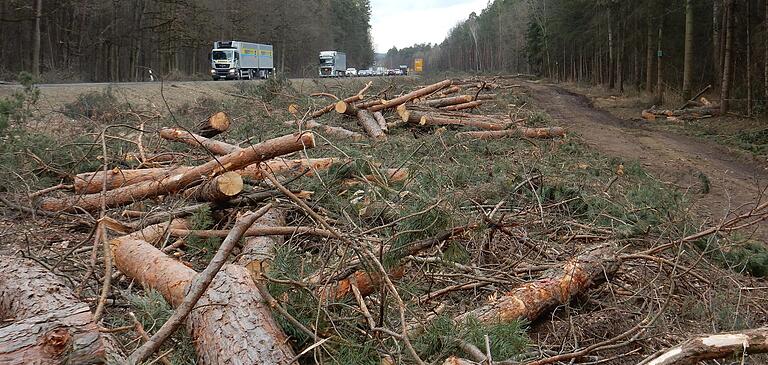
x=418 y=65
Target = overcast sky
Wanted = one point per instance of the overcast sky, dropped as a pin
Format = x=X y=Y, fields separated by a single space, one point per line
x=401 y=23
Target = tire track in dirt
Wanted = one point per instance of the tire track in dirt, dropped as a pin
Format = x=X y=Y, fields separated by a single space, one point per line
x=674 y=159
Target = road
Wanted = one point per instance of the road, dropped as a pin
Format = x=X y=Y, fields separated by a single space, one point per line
x=676 y=160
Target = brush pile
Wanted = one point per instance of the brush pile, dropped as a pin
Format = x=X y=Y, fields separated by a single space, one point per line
x=404 y=226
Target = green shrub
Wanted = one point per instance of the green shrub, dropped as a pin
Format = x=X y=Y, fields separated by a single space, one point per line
x=95 y=105
x=16 y=108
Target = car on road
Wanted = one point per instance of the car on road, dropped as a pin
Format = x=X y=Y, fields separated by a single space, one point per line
x=351 y=71
x=367 y=72
x=391 y=72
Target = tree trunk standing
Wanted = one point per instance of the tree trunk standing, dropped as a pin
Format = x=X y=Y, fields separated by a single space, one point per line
x=610 y=50
x=765 y=45
x=749 y=58
x=716 y=17
x=688 y=58
x=725 y=93
x=36 y=39
x=660 y=68
x=620 y=58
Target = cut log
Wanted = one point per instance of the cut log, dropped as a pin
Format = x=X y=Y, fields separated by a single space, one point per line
x=220 y=188
x=283 y=167
x=345 y=108
x=230 y=322
x=464 y=106
x=381 y=120
x=183 y=180
x=368 y=104
x=711 y=347
x=447 y=91
x=212 y=145
x=49 y=325
x=551 y=132
x=410 y=96
x=429 y=119
x=259 y=251
x=437 y=103
x=556 y=287
x=370 y=125
x=327 y=130
x=214 y=125
x=91 y=182
x=352 y=99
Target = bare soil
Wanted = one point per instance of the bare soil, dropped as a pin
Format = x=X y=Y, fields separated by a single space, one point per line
x=735 y=180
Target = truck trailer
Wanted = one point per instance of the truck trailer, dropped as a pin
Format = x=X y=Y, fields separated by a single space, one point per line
x=333 y=64
x=237 y=60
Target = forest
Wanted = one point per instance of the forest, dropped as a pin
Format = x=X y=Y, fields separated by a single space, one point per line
x=103 y=40
x=673 y=47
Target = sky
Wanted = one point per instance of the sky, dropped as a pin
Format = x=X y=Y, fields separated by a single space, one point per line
x=402 y=23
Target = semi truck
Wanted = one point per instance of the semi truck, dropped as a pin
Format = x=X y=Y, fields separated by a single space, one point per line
x=333 y=64
x=237 y=60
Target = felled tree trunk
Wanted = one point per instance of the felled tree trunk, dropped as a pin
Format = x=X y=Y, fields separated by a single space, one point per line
x=551 y=132
x=431 y=119
x=259 y=251
x=352 y=99
x=212 y=145
x=230 y=322
x=345 y=108
x=370 y=125
x=447 y=91
x=220 y=188
x=464 y=106
x=186 y=179
x=214 y=125
x=381 y=120
x=710 y=347
x=437 y=103
x=285 y=167
x=48 y=324
x=556 y=287
x=328 y=130
x=91 y=182
x=410 y=96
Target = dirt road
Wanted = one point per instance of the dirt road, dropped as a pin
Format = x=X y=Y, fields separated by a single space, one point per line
x=676 y=160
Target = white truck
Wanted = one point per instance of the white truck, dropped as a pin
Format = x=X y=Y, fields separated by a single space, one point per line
x=333 y=64
x=241 y=60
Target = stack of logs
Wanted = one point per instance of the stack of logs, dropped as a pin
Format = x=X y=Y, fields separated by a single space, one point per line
x=439 y=104
x=692 y=110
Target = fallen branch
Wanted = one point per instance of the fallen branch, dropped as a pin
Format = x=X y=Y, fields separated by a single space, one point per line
x=410 y=96
x=710 y=347
x=337 y=132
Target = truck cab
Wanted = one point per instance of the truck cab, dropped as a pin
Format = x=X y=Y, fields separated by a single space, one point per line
x=241 y=60
x=332 y=64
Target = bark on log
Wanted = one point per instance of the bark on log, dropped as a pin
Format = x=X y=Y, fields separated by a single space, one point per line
x=717 y=346
x=464 y=106
x=259 y=251
x=219 y=189
x=91 y=182
x=551 y=132
x=214 y=125
x=429 y=119
x=381 y=120
x=410 y=96
x=448 y=91
x=184 y=180
x=283 y=167
x=556 y=287
x=437 y=103
x=50 y=325
x=370 y=125
x=231 y=322
x=368 y=104
x=327 y=130
x=212 y=145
